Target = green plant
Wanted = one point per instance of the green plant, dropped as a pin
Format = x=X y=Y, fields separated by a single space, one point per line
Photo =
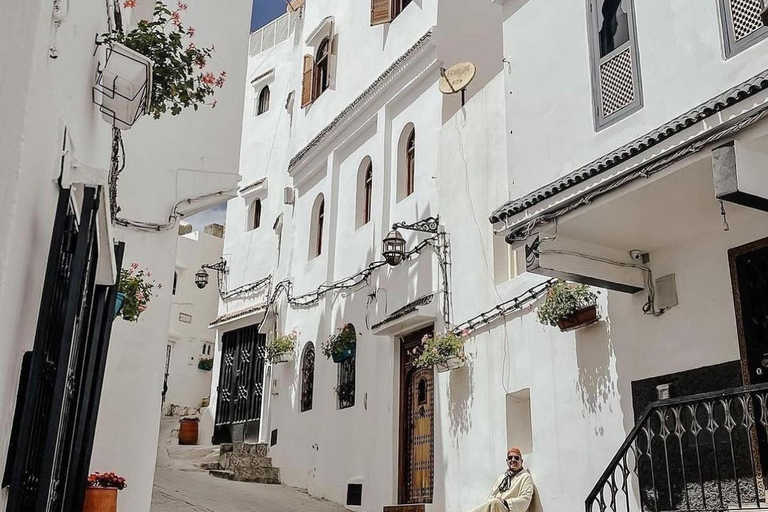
x=565 y=299
x=341 y=340
x=205 y=363
x=438 y=349
x=281 y=345
x=110 y=480
x=136 y=285
x=346 y=392
x=178 y=81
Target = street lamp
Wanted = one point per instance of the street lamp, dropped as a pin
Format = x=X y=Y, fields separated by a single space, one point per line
x=393 y=248
x=201 y=277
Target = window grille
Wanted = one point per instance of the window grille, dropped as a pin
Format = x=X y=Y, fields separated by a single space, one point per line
x=345 y=390
x=307 y=377
x=615 y=67
x=742 y=24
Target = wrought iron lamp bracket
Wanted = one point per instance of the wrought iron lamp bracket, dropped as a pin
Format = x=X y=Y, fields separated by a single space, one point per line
x=427 y=225
x=220 y=266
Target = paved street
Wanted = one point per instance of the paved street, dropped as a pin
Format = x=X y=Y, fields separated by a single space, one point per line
x=180 y=486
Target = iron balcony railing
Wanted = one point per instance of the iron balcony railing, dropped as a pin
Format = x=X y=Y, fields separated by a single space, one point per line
x=700 y=453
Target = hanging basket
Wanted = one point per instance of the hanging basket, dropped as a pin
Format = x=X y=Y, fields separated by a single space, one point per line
x=119 y=301
x=580 y=318
x=452 y=363
x=282 y=358
x=344 y=355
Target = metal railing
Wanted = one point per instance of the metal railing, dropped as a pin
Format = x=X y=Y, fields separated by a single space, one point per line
x=700 y=453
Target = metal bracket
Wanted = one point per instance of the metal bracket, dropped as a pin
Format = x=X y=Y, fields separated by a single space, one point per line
x=427 y=225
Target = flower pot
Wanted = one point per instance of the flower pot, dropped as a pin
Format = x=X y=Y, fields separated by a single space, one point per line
x=347 y=353
x=119 y=301
x=188 y=431
x=580 y=318
x=451 y=363
x=282 y=358
x=100 y=499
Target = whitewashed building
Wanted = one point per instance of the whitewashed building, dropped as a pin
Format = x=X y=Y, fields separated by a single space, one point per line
x=187 y=379
x=618 y=144
x=60 y=155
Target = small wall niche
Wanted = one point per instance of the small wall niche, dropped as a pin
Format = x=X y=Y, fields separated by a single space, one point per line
x=519 y=431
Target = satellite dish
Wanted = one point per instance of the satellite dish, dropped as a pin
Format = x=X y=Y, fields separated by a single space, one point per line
x=457 y=78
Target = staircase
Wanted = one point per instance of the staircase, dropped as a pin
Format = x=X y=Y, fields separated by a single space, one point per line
x=244 y=462
x=698 y=453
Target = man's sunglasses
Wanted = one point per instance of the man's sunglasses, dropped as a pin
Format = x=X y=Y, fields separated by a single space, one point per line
x=514 y=457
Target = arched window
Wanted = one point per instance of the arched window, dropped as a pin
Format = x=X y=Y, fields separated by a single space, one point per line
x=410 y=163
x=263 y=100
x=321 y=67
x=364 y=192
x=316 y=228
x=256 y=214
x=406 y=162
x=307 y=376
x=345 y=387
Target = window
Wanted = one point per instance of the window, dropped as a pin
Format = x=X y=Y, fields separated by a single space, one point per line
x=263 y=100
x=316 y=228
x=406 y=162
x=255 y=217
x=364 y=192
x=742 y=24
x=175 y=282
x=507 y=262
x=207 y=349
x=345 y=387
x=321 y=68
x=307 y=376
x=519 y=431
x=384 y=11
x=318 y=72
x=616 y=84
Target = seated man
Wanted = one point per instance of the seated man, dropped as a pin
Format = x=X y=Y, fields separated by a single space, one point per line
x=513 y=490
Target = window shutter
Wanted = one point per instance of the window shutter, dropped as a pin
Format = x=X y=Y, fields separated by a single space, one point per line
x=381 y=11
x=332 y=60
x=306 y=85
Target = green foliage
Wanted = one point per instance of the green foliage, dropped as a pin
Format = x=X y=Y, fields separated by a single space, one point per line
x=205 y=363
x=345 y=391
x=565 y=299
x=178 y=81
x=438 y=349
x=281 y=345
x=337 y=343
x=136 y=284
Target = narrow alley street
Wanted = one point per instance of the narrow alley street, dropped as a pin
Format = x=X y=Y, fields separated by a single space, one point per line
x=180 y=485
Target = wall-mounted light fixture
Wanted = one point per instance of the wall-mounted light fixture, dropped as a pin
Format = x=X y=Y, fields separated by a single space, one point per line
x=393 y=245
x=201 y=277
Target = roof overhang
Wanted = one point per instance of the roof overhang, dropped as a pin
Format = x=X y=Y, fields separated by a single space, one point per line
x=414 y=315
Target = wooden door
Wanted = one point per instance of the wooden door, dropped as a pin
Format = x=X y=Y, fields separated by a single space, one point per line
x=417 y=426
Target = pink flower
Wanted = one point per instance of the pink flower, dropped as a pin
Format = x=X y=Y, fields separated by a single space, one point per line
x=200 y=61
x=181 y=6
x=129 y=4
x=208 y=78
x=191 y=31
x=176 y=18
x=134 y=266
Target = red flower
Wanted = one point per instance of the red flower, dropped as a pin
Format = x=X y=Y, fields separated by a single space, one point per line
x=129 y=4
x=181 y=6
x=208 y=78
x=191 y=31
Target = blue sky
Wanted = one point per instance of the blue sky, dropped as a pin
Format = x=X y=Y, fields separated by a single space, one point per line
x=265 y=11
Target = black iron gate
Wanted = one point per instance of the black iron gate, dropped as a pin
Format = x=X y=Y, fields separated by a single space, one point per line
x=241 y=386
x=60 y=388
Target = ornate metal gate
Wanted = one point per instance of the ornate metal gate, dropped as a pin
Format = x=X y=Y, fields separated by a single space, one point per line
x=241 y=386
x=53 y=429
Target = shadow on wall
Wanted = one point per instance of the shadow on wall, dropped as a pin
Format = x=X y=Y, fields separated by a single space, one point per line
x=593 y=358
x=460 y=400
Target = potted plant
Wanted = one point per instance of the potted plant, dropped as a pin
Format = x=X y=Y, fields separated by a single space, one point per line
x=205 y=363
x=281 y=349
x=444 y=351
x=341 y=345
x=178 y=80
x=136 y=286
x=569 y=306
x=101 y=492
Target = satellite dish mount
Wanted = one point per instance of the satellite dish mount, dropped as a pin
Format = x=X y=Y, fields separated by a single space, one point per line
x=457 y=78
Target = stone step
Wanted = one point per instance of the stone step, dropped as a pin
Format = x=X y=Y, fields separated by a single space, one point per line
x=208 y=466
x=221 y=473
x=245 y=473
x=257 y=449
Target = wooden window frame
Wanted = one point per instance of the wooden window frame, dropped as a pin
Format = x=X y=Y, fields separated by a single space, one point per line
x=321 y=69
x=732 y=46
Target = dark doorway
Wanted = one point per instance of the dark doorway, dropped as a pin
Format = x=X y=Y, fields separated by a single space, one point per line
x=417 y=425
x=241 y=386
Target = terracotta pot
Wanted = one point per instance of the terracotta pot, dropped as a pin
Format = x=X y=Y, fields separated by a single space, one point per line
x=100 y=499
x=188 y=431
x=580 y=318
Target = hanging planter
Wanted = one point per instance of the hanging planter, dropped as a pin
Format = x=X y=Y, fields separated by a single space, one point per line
x=569 y=307
x=281 y=349
x=101 y=493
x=136 y=286
x=205 y=363
x=176 y=63
x=443 y=351
x=342 y=345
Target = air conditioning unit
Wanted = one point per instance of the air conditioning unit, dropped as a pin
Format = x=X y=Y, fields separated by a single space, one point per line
x=289 y=195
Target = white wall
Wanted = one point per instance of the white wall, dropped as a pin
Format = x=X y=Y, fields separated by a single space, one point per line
x=187 y=384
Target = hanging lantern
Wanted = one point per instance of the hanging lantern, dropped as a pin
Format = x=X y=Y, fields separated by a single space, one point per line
x=393 y=248
x=123 y=86
x=201 y=278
